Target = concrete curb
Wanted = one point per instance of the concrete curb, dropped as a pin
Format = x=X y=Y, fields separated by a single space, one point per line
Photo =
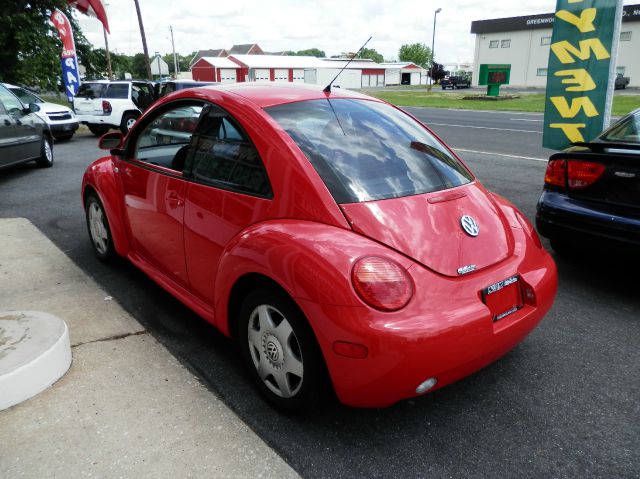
x=34 y=353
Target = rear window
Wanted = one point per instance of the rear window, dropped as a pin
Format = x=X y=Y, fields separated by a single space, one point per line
x=365 y=150
x=626 y=131
x=90 y=90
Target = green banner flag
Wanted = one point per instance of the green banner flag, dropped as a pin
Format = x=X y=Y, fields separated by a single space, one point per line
x=581 y=70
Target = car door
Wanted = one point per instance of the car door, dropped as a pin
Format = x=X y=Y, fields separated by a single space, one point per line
x=22 y=131
x=228 y=191
x=154 y=187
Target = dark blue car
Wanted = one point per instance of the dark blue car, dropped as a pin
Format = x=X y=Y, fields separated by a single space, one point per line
x=592 y=191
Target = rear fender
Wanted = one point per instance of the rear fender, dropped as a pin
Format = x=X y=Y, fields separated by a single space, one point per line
x=310 y=261
x=100 y=178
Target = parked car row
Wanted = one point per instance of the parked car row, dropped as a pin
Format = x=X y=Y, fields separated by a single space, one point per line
x=103 y=105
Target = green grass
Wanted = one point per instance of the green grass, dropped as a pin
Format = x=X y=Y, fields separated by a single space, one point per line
x=529 y=102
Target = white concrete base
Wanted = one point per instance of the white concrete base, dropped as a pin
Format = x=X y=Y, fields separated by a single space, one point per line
x=34 y=353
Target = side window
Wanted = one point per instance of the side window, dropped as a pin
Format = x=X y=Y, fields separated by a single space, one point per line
x=224 y=156
x=117 y=91
x=142 y=95
x=166 y=138
x=11 y=102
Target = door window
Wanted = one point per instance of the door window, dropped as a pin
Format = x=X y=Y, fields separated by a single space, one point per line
x=11 y=102
x=117 y=91
x=224 y=156
x=166 y=138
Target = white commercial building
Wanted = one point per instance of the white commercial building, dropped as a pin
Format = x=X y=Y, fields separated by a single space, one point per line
x=524 y=43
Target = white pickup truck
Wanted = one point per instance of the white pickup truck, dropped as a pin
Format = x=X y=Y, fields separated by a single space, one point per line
x=102 y=105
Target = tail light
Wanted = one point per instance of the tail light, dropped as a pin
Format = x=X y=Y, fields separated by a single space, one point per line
x=584 y=173
x=106 y=107
x=573 y=173
x=381 y=283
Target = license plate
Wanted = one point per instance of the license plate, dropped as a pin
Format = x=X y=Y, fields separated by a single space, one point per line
x=503 y=298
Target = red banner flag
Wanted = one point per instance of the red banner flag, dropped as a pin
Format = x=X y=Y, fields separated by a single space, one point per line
x=93 y=8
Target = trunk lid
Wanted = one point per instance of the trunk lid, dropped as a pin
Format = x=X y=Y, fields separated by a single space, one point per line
x=428 y=227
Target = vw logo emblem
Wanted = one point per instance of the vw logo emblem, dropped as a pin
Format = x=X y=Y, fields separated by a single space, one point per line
x=469 y=225
x=272 y=351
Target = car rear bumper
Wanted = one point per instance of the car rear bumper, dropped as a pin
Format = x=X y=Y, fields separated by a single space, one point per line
x=562 y=218
x=446 y=332
x=107 y=120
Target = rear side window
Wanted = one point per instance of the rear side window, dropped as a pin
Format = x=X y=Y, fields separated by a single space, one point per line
x=117 y=91
x=627 y=131
x=91 y=90
x=365 y=150
x=224 y=157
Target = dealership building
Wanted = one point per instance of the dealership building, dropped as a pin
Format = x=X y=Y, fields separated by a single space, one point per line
x=524 y=43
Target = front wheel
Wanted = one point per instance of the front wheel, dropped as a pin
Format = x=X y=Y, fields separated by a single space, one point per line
x=281 y=351
x=46 y=153
x=98 y=227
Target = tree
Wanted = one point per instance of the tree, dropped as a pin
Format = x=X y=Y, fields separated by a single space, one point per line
x=30 y=53
x=437 y=72
x=417 y=53
x=371 y=54
x=309 y=52
x=139 y=66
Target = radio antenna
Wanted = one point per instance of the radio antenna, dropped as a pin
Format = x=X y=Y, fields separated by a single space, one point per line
x=327 y=89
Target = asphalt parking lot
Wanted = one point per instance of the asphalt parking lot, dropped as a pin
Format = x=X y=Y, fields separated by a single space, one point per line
x=564 y=403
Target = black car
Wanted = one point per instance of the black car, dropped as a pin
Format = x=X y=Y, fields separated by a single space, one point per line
x=454 y=82
x=173 y=85
x=23 y=135
x=591 y=193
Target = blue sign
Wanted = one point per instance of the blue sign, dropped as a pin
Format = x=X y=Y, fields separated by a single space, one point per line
x=70 y=76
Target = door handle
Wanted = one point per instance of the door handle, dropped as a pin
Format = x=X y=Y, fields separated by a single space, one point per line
x=174 y=200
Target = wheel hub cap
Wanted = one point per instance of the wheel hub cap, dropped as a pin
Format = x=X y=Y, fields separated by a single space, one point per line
x=273 y=350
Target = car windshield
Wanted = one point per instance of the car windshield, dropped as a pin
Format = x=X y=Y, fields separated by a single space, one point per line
x=626 y=131
x=25 y=96
x=365 y=150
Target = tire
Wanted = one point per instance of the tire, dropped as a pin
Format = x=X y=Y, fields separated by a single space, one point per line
x=98 y=130
x=444 y=87
x=128 y=120
x=98 y=227
x=281 y=351
x=46 y=153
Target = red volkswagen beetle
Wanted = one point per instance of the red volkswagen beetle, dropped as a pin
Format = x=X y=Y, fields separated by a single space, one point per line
x=333 y=234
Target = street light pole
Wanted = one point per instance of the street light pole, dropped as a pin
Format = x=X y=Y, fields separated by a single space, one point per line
x=433 y=44
x=175 y=58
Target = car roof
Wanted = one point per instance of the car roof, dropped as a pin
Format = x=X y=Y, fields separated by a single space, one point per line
x=270 y=94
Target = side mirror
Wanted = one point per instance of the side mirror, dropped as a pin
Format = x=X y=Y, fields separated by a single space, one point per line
x=33 y=107
x=111 y=141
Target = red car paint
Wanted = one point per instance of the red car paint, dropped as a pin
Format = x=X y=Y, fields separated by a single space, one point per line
x=197 y=242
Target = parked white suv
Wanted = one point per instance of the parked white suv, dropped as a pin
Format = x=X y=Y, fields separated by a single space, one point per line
x=61 y=119
x=103 y=105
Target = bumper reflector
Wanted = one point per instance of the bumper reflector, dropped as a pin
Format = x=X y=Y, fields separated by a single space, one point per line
x=425 y=386
x=350 y=350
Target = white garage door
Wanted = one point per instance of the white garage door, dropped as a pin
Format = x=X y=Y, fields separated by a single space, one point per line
x=261 y=74
x=281 y=74
x=415 y=78
x=228 y=75
x=298 y=76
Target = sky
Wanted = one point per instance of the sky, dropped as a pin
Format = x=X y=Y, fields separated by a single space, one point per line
x=276 y=25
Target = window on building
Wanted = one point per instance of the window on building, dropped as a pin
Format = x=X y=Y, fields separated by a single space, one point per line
x=494 y=43
x=541 y=72
x=545 y=41
x=505 y=43
x=625 y=36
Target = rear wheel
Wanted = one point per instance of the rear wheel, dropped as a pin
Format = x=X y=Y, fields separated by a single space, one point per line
x=46 y=153
x=281 y=352
x=128 y=120
x=98 y=227
x=98 y=130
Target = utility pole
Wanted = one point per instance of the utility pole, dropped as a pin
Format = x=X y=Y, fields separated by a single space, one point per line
x=175 y=59
x=433 y=44
x=144 y=41
x=106 y=48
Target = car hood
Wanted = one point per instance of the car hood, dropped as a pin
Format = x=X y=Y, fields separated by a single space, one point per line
x=47 y=107
x=428 y=228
